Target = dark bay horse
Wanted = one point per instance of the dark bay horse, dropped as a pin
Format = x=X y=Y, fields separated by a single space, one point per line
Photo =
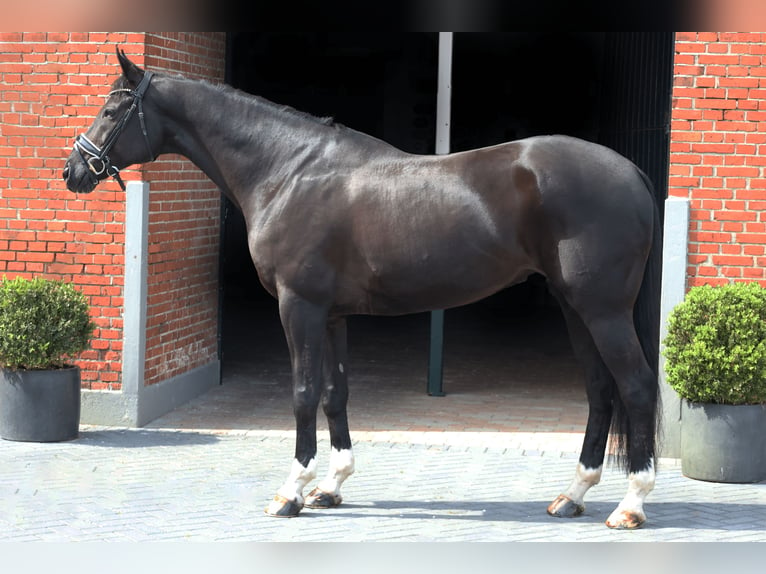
x=340 y=223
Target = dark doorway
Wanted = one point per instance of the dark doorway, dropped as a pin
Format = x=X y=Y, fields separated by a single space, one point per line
x=380 y=84
x=609 y=88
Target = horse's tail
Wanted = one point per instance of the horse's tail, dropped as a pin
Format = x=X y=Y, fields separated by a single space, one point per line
x=646 y=316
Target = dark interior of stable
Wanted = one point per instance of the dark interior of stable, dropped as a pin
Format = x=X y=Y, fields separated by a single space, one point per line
x=605 y=87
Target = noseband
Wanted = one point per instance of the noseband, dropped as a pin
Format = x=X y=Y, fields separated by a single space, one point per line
x=97 y=158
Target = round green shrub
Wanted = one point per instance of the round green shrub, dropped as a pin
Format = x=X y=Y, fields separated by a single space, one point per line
x=43 y=323
x=715 y=349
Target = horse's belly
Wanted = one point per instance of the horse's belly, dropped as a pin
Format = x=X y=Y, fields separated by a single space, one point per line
x=439 y=282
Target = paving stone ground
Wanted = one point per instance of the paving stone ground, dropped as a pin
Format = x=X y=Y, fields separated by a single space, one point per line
x=480 y=464
x=155 y=484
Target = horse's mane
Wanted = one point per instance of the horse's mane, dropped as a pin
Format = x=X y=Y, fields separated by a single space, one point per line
x=282 y=108
x=122 y=83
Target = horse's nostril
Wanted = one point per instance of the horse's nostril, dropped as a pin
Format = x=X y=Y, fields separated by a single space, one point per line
x=66 y=172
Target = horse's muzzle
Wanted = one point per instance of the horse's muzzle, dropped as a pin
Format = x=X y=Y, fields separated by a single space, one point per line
x=78 y=179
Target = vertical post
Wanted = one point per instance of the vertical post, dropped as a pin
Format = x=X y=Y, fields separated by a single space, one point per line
x=675 y=254
x=444 y=93
x=443 y=113
x=122 y=408
x=135 y=290
x=436 y=355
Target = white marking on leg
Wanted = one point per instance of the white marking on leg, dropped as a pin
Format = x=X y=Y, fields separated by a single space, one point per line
x=640 y=484
x=299 y=477
x=584 y=479
x=341 y=467
x=340 y=368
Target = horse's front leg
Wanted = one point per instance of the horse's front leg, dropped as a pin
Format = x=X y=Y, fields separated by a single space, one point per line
x=334 y=400
x=304 y=325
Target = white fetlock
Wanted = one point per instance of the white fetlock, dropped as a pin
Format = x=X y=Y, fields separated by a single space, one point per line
x=585 y=478
x=289 y=499
x=341 y=467
x=572 y=502
x=629 y=514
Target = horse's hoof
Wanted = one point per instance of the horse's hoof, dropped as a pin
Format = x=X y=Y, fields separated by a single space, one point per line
x=282 y=507
x=565 y=507
x=625 y=520
x=320 y=499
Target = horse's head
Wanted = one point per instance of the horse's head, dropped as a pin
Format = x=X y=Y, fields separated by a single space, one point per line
x=121 y=134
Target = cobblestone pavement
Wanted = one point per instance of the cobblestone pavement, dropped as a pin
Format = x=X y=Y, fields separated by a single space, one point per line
x=157 y=484
x=480 y=464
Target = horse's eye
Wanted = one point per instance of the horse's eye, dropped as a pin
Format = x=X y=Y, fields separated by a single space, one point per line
x=109 y=113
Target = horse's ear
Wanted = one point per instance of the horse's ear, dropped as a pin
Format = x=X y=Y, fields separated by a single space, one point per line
x=133 y=73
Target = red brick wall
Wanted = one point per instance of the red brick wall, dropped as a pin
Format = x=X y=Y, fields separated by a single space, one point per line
x=718 y=153
x=51 y=86
x=184 y=229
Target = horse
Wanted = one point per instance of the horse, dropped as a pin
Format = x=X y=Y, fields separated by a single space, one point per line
x=340 y=223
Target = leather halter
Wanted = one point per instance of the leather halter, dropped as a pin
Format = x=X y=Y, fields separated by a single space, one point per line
x=98 y=161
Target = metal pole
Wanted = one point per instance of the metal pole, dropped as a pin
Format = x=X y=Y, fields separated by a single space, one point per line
x=444 y=93
x=443 y=113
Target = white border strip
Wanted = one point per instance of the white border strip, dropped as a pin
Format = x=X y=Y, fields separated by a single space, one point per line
x=135 y=290
x=675 y=249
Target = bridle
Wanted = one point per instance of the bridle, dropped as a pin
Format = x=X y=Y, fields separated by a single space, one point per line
x=97 y=159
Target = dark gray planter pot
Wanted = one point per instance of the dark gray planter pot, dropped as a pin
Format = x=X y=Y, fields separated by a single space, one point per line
x=723 y=443
x=40 y=406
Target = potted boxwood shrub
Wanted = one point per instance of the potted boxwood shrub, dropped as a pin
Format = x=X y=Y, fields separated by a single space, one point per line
x=715 y=355
x=43 y=325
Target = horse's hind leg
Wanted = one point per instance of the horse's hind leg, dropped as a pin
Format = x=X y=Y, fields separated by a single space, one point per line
x=599 y=388
x=635 y=396
x=334 y=400
x=618 y=343
x=304 y=324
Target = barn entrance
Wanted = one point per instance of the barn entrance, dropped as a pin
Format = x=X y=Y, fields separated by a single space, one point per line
x=609 y=88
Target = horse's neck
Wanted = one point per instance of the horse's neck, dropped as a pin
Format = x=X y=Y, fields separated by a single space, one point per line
x=241 y=144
